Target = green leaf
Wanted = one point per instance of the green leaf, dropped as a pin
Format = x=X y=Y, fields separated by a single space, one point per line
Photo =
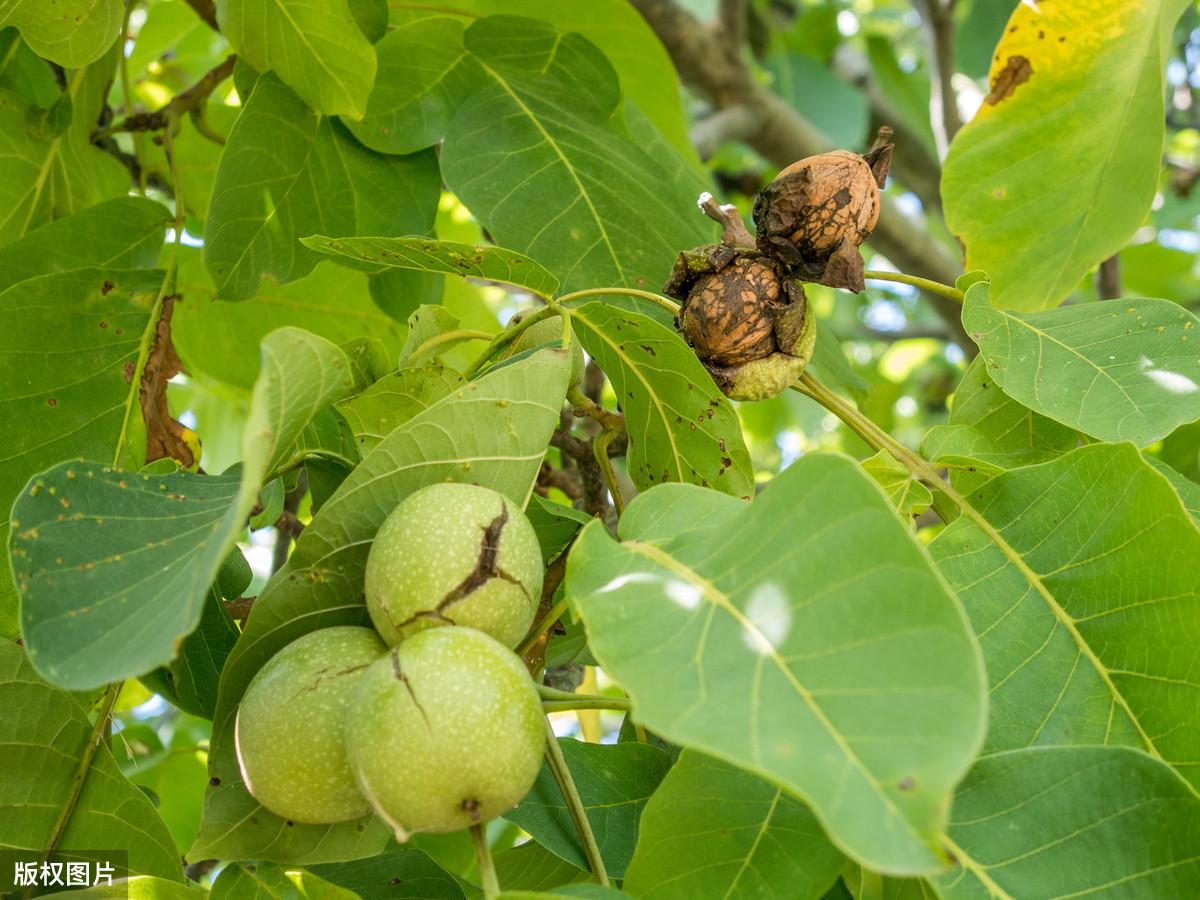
x=1073 y=821
x=1097 y=573
x=190 y=681
x=45 y=738
x=714 y=830
x=316 y=49
x=531 y=867
x=591 y=891
x=614 y=783
x=556 y=525
x=1118 y=370
x=219 y=340
x=485 y=262
x=176 y=774
x=69 y=353
x=989 y=432
x=71 y=33
x=909 y=496
x=681 y=427
x=197 y=157
x=140 y=887
x=492 y=431
x=287 y=172
x=424 y=75
x=94 y=548
x=647 y=77
x=542 y=127
x=263 y=881
x=1067 y=146
x=52 y=172
x=402 y=872
x=805 y=637
x=125 y=233
x=393 y=400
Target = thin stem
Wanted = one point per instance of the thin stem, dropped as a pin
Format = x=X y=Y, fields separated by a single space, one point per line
x=447 y=337
x=566 y=785
x=487 y=868
x=583 y=405
x=542 y=626
x=662 y=301
x=99 y=730
x=510 y=334
x=877 y=439
x=600 y=450
x=127 y=96
x=567 y=700
x=925 y=284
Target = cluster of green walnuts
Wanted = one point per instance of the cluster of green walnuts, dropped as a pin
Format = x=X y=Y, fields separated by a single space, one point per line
x=429 y=720
x=744 y=311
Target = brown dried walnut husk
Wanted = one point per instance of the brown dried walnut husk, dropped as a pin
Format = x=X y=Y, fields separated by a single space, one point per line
x=747 y=321
x=815 y=214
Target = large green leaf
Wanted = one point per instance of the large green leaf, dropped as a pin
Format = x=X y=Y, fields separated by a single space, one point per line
x=543 y=127
x=1060 y=165
x=450 y=257
x=989 y=432
x=647 y=76
x=715 y=830
x=69 y=347
x=402 y=872
x=49 y=167
x=263 y=881
x=287 y=172
x=124 y=233
x=492 y=431
x=219 y=340
x=1097 y=576
x=69 y=32
x=316 y=49
x=47 y=744
x=681 y=427
x=805 y=637
x=1073 y=822
x=393 y=400
x=424 y=74
x=614 y=783
x=531 y=867
x=113 y=567
x=1117 y=370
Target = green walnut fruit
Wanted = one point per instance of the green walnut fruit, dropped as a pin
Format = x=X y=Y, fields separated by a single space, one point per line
x=454 y=554
x=447 y=732
x=289 y=727
x=545 y=332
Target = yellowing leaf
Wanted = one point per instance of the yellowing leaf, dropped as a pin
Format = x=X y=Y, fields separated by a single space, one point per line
x=1060 y=164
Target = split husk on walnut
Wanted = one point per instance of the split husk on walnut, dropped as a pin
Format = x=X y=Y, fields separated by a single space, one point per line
x=814 y=216
x=747 y=321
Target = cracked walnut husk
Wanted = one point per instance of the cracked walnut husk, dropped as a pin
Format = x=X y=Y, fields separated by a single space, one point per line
x=746 y=320
x=815 y=214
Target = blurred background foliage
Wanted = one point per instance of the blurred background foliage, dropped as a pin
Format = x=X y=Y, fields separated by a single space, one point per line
x=847 y=66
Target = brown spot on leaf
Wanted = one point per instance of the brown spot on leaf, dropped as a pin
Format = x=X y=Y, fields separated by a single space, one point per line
x=105 y=288
x=1015 y=73
x=50 y=401
x=130 y=368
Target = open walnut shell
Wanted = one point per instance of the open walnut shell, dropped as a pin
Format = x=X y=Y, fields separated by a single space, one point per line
x=816 y=213
x=745 y=318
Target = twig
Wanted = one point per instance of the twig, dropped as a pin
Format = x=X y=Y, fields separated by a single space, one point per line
x=1108 y=279
x=567 y=482
x=185 y=102
x=533 y=648
x=584 y=406
x=127 y=96
x=734 y=232
x=938 y=17
x=207 y=11
x=239 y=609
x=566 y=785
x=600 y=449
x=283 y=538
x=734 y=123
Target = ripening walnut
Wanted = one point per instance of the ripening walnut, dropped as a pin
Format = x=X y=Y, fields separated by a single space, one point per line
x=454 y=554
x=447 y=732
x=289 y=726
x=817 y=212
